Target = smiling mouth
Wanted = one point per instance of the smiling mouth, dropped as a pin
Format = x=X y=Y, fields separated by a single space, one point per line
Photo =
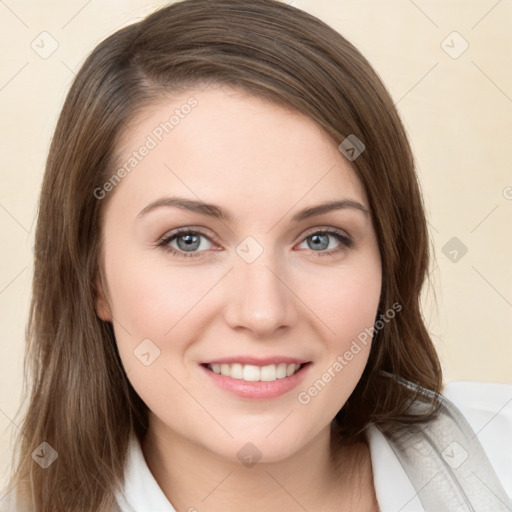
x=253 y=373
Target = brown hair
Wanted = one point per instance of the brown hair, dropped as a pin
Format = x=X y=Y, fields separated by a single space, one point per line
x=80 y=400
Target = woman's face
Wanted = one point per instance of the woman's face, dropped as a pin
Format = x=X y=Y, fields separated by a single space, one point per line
x=260 y=285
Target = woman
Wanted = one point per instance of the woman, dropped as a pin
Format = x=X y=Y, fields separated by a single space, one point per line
x=230 y=249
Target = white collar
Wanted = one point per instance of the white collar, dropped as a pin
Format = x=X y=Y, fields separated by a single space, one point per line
x=394 y=490
x=141 y=492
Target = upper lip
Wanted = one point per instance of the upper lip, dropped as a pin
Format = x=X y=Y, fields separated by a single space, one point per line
x=256 y=361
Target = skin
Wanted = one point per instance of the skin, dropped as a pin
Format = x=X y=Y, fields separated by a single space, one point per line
x=263 y=163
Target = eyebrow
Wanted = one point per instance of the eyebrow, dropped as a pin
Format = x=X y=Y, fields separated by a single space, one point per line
x=217 y=212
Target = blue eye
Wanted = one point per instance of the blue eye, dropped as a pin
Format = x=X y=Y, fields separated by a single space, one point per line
x=320 y=242
x=189 y=243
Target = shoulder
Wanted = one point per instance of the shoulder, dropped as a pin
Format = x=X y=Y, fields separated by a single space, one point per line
x=398 y=461
x=487 y=408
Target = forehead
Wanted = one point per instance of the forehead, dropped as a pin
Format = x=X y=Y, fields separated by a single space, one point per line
x=225 y=144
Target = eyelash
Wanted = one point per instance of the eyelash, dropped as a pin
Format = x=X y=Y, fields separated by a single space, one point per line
x=346 y=242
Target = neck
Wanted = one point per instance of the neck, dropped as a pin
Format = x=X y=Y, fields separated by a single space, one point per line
x=194 y=478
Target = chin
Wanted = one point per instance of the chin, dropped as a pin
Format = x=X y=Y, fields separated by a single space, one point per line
x=259 y=446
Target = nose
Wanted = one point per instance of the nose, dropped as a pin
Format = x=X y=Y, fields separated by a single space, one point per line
x=260 y=300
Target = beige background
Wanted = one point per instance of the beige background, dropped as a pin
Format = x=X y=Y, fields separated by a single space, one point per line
x=458 y=112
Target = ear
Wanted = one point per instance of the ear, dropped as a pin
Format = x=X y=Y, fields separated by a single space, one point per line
x=101 y=303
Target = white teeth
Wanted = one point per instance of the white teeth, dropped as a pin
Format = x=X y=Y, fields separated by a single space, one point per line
x=268 y=373
x=252 y=373
x=281 y=371
x=237 y=371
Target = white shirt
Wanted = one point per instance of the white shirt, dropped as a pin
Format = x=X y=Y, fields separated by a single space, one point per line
x=486 y=406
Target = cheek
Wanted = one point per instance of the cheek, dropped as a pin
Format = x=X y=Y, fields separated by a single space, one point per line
x=151 y=308
x=347 y=308
x=150 y=299
x=346 y=305
x=345 y=300
x=158 y=310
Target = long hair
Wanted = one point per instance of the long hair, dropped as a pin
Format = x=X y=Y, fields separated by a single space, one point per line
x=79 y=400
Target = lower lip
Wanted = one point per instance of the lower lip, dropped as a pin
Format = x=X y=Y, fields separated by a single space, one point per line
x=258 y=390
